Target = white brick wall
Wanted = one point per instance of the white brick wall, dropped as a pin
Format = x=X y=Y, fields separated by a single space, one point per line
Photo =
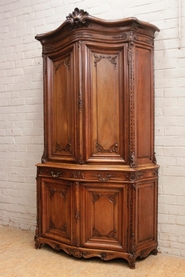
x=21 y=118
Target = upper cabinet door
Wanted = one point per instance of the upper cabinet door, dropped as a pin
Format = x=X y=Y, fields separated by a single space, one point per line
x=61 y=101
x=106 y=102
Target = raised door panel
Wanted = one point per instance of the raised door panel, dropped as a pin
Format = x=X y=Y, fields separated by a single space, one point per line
x=57 y=210
x=104 y=216
x=61 y=110
x=146 y=213
x=106 y=114
x=144 y=104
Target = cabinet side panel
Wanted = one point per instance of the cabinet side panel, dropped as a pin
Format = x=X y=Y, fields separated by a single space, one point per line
x=146 y=213
x=144 y=104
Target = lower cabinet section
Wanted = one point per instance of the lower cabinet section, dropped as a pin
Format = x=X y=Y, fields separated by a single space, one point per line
x=108 y=218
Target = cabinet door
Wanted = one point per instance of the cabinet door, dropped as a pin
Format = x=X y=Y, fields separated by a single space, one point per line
x=60 y=105
x=106 y=102
x=57 y=210
x=104 y=216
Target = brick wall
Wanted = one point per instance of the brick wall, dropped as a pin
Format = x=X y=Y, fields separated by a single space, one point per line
x=21 y=114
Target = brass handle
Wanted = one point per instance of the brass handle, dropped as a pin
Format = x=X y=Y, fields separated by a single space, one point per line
x=105 y=178
x=55 y=175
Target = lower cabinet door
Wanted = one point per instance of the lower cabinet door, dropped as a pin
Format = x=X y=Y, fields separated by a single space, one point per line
x=57 y=206
x=104 y=216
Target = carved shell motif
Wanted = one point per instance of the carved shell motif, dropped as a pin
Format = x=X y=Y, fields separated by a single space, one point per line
x=77 y=18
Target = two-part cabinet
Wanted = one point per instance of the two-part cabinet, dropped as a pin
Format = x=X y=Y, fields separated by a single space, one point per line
x=98 y=178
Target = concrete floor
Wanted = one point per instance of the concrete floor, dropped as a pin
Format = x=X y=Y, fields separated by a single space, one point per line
x=19 y=258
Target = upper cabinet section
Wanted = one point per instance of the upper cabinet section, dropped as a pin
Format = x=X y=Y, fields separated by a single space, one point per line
x=98 y=91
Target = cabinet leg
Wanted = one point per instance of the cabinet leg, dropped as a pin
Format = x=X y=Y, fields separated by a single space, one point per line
x=154 y=252
x=38 y=245
x=131 y=264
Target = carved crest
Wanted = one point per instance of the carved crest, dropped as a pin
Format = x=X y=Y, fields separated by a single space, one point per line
x=77 y=18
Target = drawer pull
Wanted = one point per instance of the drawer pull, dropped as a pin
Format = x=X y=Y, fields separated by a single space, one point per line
x=55 y=175
x=105 y=178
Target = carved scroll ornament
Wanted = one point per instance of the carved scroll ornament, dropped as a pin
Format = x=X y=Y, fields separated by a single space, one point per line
x=132 y=160
x=95 y=196
x=44 y=158
x=96 y=233
x=66 y=62
x=113 y=148
x=154 y=160
x=98 y=58
x=104 y=178
x=76 y=253
x=77 y=175
x=67 y=148
x=132 y=176
x=111 y=197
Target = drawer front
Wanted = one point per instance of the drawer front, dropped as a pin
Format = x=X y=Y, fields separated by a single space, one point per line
x=102 y=176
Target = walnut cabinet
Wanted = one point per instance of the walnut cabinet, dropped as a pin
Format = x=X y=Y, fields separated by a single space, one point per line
x=97 y=180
